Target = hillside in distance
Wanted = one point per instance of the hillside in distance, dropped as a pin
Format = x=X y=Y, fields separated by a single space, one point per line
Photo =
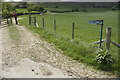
x=90 y=6
x=79 y=4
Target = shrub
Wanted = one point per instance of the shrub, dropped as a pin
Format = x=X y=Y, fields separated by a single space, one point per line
x=75 y=10
x=104 y=57
x=56 y=7
x=113 y=8
x=84 y=10
x=38 y=8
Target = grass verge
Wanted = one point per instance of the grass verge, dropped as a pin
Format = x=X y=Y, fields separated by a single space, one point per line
x=14 y=34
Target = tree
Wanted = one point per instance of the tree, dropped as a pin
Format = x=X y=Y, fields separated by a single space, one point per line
x=84 y=10
x=29 y=6
x=0 y=6
x=56 y=7
x=40 y=9
x=7 y=7
x=113 y=8
x=119 y=5
x=21 y=5
x=75 y=10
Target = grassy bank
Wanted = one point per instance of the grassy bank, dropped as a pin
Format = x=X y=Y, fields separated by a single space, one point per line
x=80 y=48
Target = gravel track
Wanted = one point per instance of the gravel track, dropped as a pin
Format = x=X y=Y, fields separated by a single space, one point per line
x=35 y=58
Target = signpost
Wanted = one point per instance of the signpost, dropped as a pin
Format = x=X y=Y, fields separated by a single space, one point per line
x=98 y=22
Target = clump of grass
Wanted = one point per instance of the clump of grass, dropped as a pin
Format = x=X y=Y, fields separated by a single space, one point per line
x=14 y=34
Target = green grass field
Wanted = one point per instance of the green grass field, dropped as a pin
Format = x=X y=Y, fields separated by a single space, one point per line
x=64 y=23
x=81 y=48
x=23 y=10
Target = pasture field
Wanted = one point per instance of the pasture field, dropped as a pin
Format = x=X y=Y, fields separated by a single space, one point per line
x=80 y=48
x=22 y=10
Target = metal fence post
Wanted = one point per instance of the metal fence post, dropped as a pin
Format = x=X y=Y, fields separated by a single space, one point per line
x=101 y=34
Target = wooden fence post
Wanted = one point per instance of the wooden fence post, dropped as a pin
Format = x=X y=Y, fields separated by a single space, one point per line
x=54 y=24
x=11 y=20
x=43 y=21
x=108 y=39
x=29 y=18
x=73 y=30
x=7 y=20
x=35 y=21
x=0 y=21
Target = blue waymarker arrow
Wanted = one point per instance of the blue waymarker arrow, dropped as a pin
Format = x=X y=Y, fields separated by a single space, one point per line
x=94 y=22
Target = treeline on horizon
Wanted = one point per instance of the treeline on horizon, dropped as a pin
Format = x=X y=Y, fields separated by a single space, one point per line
x=73 y=4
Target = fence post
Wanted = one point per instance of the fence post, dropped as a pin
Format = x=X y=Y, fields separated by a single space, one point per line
x=35 y=21
x=11 y=20
x=0 y=20
x=7 y=20
x=29 y=18
x=108 y=39
x=73 y=30
x=54 y=24
x=43 y=21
